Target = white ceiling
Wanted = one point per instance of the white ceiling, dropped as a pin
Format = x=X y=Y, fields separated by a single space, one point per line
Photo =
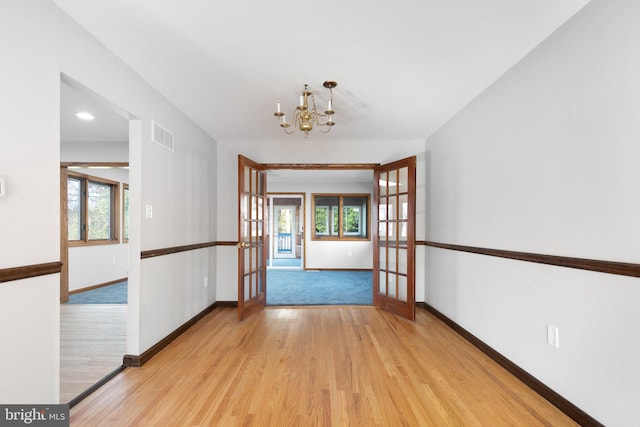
x=403 y=68
x=108 y=125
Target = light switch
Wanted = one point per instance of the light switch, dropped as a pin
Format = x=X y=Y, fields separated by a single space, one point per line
x=149 y=211
x=3 y=188
x=553 y=336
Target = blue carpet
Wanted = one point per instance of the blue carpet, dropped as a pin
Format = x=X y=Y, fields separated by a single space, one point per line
x=112 y=294
x=286 y=262
x=298 y=287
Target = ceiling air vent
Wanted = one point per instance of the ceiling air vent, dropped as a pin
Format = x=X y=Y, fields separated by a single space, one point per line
x=161 y=135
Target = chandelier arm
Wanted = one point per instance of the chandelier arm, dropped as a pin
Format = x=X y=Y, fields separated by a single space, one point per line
x=316 y=120
x=294 y=120
x=315 y=112
x=313 y=101
x=297 y=118
x=317 y=115
x=325 y=123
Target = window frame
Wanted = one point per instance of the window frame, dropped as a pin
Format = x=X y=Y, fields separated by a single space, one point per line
x=84 y=211
x=339 y=209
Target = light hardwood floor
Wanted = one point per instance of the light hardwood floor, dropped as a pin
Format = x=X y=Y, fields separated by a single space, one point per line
x=92 y=344
x=317 y=366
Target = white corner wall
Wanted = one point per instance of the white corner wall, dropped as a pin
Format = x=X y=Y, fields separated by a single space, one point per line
x=39 y=42
x=545 y=161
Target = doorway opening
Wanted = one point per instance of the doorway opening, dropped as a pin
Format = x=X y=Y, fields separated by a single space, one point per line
x=305 y=266
x=94 y=239
x=286 y=231
x=335 y=239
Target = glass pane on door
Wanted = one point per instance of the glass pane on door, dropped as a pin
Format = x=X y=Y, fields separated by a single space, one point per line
x=382 y=286
x=382 y=184
x=254 y=181
x=392 y=208
x=247 y=287
x=383 y=255
x=391 y=285
x=402 y=288
x=391 y=261
x=392 y=188
x=403 y=180
x=402 y=260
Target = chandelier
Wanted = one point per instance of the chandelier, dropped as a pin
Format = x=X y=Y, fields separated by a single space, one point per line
x=306 y=115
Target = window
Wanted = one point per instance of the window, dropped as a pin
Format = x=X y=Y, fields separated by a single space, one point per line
x=340 y=216
x=326 y=215
x=125 y=213
x=92 y=210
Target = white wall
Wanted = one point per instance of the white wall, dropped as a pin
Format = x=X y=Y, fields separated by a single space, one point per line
x=30 y=335
x=116 y=151
x=39 y=42
x=545 y=161
x=346 y=254
x=97 y=264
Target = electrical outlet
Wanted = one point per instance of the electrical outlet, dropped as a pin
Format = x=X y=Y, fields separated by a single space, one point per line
x=553 y=336
x=206 y=281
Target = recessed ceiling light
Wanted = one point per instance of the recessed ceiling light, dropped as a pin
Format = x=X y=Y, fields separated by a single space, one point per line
x=84 y=115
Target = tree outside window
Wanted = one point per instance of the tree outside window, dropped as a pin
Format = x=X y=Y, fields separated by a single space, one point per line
x=340 y=216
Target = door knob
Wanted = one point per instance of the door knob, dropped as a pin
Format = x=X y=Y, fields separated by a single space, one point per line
x=245 y=245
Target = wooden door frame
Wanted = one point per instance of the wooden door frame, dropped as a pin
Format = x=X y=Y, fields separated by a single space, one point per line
x=358 y=166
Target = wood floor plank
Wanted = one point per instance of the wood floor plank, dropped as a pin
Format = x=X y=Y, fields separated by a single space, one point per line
x=92 y=344
x=317 y=366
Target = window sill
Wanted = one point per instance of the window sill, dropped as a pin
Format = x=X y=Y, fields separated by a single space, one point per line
x=93 y=243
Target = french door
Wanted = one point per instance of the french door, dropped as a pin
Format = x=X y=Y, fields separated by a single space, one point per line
x=394 y=237
x=252 y=236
